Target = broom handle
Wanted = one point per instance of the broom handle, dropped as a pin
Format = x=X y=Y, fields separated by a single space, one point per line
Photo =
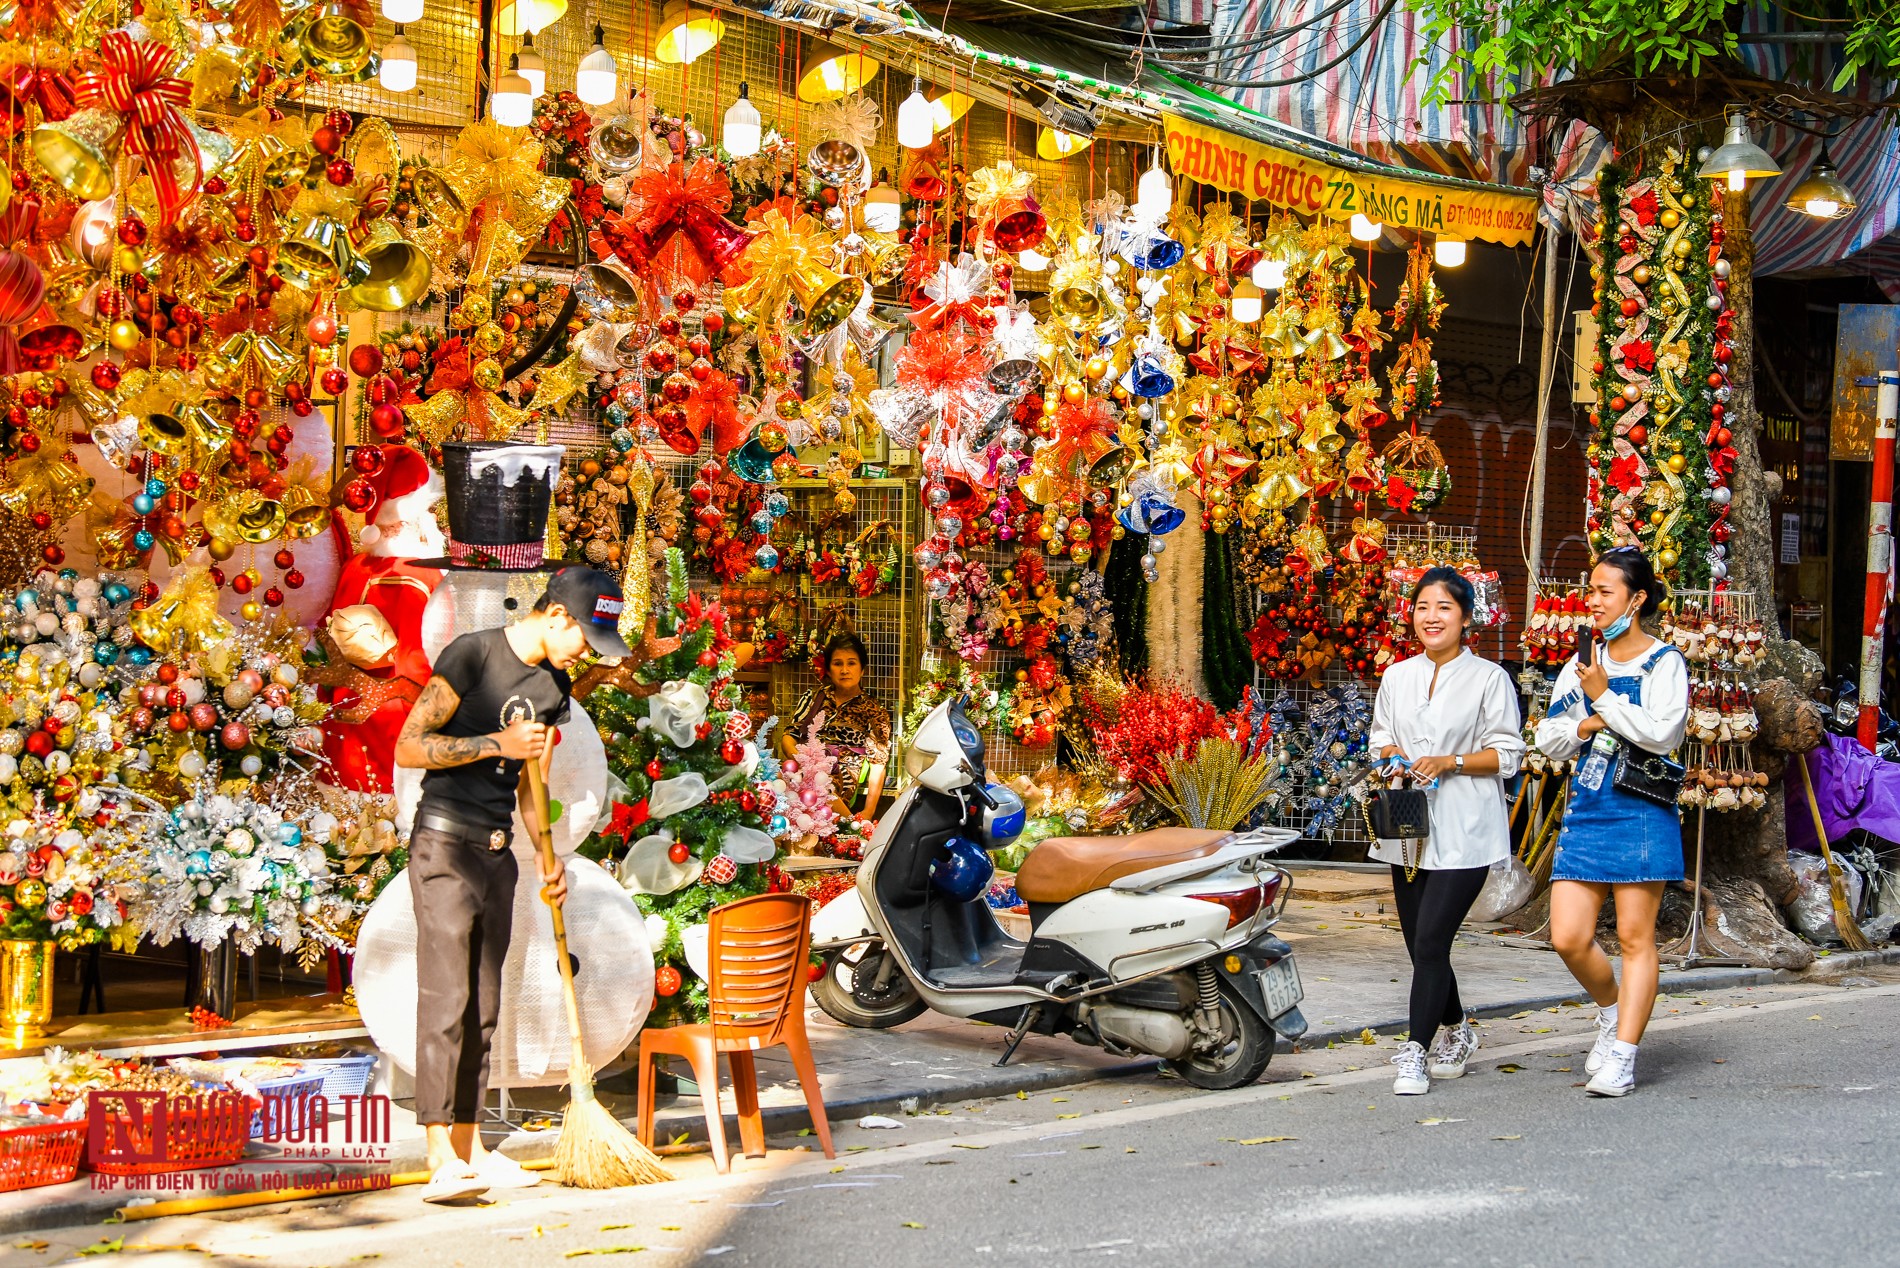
x=1836 y=882
x=538 y=791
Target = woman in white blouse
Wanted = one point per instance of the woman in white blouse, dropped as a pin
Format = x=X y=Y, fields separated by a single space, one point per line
x=1453 y=717
x=1634 y=692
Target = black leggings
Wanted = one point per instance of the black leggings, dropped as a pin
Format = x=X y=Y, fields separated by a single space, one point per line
x=1431 y=907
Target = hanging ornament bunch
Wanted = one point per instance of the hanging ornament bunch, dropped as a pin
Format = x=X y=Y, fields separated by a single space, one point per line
x=1550 y=636
x=1662 y=454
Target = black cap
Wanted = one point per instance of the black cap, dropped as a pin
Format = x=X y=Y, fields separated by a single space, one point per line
x=593 y=598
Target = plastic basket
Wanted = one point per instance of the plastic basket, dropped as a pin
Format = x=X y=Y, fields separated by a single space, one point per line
x=208 y=1130
x=40 y=1154
x=280 y=1111
x=343 y=1076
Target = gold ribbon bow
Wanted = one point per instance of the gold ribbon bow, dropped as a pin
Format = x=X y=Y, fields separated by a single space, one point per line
x=184 y=619
x=45 y=480
x=491 y=184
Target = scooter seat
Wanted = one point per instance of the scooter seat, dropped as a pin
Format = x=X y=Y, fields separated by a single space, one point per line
x=1065 y=868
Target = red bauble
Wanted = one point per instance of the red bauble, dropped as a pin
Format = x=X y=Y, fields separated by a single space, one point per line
x=168 y=673
x=339 y=172
x=678 y=852
x=708 y=658
x=366 y=359
x=321 y=329
x=204 y=716
x=714 y=323
x=326 y=140
x=39 y=743
x=294 y=579
x=387 y=421
x=666 y=980
x=1715 y=379
x=655 y=770
x=241 y=583
x=105 y=376
x=1638 y=434
x=1631 y=306
x=732 y=753
x=284 y=559
x=178 y=721
x=274 y=597
x=235 y=735
x=333 y=381
x=142 y=719
x=358 y=494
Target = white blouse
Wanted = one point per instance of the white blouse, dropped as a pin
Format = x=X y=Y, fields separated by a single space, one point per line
x=1655 y=722
x=1472 y=707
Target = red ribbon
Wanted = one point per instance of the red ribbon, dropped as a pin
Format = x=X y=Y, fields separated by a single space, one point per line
x=974 y=313
x=52 y=90
x=134 y=84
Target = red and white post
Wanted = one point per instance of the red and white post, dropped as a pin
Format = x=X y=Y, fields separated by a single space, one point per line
x=1879 y=555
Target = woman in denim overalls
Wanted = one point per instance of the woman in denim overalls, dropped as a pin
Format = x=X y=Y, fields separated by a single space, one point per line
x=1613 y=844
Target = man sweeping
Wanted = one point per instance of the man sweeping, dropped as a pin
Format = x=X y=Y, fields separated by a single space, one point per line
x=482 y=718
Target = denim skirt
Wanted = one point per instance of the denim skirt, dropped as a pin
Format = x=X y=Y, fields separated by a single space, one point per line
x=1612 y=838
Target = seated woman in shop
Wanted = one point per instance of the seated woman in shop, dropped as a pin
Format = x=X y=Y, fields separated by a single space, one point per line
x=856 y=730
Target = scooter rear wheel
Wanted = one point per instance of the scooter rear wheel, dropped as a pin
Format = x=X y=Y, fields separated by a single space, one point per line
x=1245 y=1050
x=847 y=989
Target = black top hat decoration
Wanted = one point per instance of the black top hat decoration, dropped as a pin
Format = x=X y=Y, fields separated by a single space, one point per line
x=498 y=495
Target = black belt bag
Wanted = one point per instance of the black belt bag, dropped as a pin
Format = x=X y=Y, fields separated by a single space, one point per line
x=494 y=839
x=1652 y=776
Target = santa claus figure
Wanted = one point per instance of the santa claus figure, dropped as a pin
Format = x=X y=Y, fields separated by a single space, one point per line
x=374 y=630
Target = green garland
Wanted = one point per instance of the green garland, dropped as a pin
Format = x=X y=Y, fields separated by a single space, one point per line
x=1127 y=591
x=1224 y=653
x=1667 y=340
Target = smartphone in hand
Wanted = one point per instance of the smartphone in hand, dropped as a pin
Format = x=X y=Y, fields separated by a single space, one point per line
x=1586 y=651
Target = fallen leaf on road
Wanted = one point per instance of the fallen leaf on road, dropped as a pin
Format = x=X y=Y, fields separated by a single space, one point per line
x=608 y=1228
x=102 y=1247
x=1057 y=1100
x=1515 y=1016
x=1130 y=1149
x=1509 y=1067
x=804 y=1131
x=911 y=1224
x=1816 y=1017
x=1091 y=1146
x=941 y=1162
x=1367 y=1036
x=1507 y=1138
x=959 y=1145
x=1520 y=979
x=1022 y=1096
x=1438 y=1122
x=669 y=1228
x=1068 y=1116
x=1266 y=1140
x=1542 y=1030
x=1562 y=1069
x=1309 y=1074
x=603 y=1250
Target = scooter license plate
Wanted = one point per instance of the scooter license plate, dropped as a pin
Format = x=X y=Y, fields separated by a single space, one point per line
x=1280 y=983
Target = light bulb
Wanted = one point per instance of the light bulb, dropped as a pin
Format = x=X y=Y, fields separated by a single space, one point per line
x=1154 y=192
x=883 y=211
x=1825 y=208
x=685 y=35
x=1737 y=180
x=531 y=67
x=1269 y=274
x=914 y=129
x=402 y=11
x=742 y=132
x=398 y=71
x=1365 y=229
x=1246 y=305
x=1449 y=252
x=512 y=102
x=1032 y=261
x=597 y=78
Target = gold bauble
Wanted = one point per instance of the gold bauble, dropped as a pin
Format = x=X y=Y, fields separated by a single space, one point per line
x=1095 y=369
x=1046 y=530
x=1683 y=247
x=489 y=337
x=1118 y=532
x=220 y=550
x=472 y=311
x=1667 y=558
x=252 y=610
x=513 y=299
x=487 y=375
x=1676 y=462
x=1051 y=402
x=127 y=258
x=1670 y=219
x=1657 y=517
x=1080 y=553
x=1640 y=275
x=1080 y=531
x=123 y=334
x=1688 y=200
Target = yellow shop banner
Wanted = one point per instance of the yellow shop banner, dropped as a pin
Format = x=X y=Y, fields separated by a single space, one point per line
x=1266 y=173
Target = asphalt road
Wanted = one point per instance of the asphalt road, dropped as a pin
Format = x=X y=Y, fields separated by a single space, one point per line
x=1765 y=1130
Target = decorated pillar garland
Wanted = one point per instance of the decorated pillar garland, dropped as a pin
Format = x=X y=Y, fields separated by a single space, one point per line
x=1660 y=452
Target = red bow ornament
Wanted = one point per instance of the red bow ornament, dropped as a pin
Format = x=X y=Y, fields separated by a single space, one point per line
x=134 y=85
x=51 y=91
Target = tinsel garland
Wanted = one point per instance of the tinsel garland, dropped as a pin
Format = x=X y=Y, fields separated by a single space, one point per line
x=1128 y=601
x=1174 y=603
x=1660 y=371
x=1224 y=648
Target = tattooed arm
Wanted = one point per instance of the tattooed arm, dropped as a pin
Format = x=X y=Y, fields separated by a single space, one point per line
x=422 y=747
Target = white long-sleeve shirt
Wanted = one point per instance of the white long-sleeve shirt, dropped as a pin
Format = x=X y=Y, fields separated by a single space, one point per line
x=1472 y=707
x=1655 y=721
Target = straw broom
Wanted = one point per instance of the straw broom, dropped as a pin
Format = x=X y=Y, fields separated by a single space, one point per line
x=595 y=1151
x=1851 y=936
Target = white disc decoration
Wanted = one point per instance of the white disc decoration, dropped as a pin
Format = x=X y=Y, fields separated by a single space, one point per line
x=696 y=941
x=470 y=600
x=613 y=979
x=747 y=845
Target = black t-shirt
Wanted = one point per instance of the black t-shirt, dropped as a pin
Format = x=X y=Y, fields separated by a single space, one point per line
x=495 y=687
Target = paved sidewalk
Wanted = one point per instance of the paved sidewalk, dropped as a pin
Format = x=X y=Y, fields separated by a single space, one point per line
x=1352 y=962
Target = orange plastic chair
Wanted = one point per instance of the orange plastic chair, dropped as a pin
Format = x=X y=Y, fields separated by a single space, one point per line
x=759 y=949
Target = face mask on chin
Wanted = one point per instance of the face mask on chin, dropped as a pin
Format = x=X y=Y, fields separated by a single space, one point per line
x=1620 y=626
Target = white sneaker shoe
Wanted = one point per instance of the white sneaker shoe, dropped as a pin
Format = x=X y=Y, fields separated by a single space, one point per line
x=1412 y=1080
x=1617 y=1077
x=503 y=1172
x=1453 y=1047
x=454 y=1181
x=1600 y=1052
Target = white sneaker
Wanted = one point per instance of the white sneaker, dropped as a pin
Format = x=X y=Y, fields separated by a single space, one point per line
x=1412 y=1080
x=1617 y=1077
x=1600 y=1051
x=454 y=1181
x=1453 y=1047
x=503 y=1172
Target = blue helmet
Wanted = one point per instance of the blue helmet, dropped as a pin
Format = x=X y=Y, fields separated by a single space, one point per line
x=963 y=871
x=1004 y=821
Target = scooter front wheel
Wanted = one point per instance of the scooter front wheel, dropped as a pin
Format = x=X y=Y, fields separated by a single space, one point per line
x=1241 y=1055
x=848 y=989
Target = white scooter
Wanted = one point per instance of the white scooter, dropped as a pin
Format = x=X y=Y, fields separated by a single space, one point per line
x=1157 y=944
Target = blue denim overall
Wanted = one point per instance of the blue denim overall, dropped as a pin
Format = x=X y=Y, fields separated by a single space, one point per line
x=1610 y=837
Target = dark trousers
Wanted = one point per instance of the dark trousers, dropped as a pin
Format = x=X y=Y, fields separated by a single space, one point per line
x=464 y=898
x=1431 y=907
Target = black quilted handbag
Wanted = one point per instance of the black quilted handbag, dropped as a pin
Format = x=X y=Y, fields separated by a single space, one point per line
x=1652 y=776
